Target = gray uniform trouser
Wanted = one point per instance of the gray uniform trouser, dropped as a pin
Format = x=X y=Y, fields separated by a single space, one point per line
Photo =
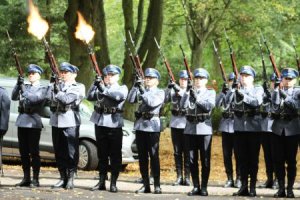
x=66 y=144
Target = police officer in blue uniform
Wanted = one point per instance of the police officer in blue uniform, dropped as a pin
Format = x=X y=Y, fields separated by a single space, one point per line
x=31 y=99
x=228 y=137
x=266 y=135
x=147 y=126
x=247 y=99
x=285 y=128
x=65 y=120
x=199 y=102
x=4 y=117
x=4 y=111
x=174 y=94
x=107 y=117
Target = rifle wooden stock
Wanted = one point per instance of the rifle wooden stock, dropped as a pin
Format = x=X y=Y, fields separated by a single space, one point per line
x=265 y=77
x=232 y=57
x=94 y=61
x=51 y=59
x=190 y=75
x=138 y=66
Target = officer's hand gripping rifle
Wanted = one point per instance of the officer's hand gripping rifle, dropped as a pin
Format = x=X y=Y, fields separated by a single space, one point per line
x=220 y=63
x=171 y=75
x=137 y=65
x=232 y=57
x=296 y=55
x=264 y=72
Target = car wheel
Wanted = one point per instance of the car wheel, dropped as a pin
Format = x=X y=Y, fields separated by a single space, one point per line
x=88 y=158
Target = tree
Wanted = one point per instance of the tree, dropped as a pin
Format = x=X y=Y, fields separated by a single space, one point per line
x=93 y=12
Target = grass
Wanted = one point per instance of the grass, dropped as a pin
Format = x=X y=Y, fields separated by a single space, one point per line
x=217 y=172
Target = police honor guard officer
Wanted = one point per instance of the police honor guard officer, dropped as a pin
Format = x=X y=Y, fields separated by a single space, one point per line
x=199 y=102
x=148 y=127
x=107 y=117
x=266 y=128
x=174 y=94
x=65 y=98
x=4 y=111
x=247 y=100
x=228 y=136
x=31 y=99
x=285 y=128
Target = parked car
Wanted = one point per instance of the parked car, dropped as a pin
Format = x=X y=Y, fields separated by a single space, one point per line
x=88 y=159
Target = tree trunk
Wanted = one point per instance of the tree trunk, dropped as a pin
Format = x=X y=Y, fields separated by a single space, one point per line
x=78 y=50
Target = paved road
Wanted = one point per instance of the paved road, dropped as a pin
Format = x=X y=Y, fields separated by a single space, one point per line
x=86 y=180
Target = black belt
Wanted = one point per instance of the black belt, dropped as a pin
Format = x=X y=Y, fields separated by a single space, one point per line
x=145 y=115
x=284 y=116
x=227 y=115
x=178 y=112
x=26 y=110
x=63 y=109
x=107 y=110
x=247 y=113
x=265 y=114
x=198 y=118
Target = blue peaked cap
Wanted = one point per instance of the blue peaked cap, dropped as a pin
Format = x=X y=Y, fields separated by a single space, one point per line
x=289 y=73
x=183 y=74
x=33 y=68
x=231 y=76
x=65 y=66
x=200 y=72
x=111 y=69
x=151 y=72
x=248 y=70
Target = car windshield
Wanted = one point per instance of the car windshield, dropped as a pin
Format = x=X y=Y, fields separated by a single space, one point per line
x=86 y=109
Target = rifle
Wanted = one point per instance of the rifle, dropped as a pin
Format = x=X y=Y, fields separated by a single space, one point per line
x=171 y=75
x=220 y=63
x=15 y=55
x=296 y=55
x=190 y=76
x=138 y=67
x=264 y=73
x=52 y=62
x=275 y=69
x=94 y=61
x=232 y=56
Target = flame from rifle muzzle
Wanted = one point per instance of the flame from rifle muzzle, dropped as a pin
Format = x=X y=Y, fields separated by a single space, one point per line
x=84 y=31
x=37 y=26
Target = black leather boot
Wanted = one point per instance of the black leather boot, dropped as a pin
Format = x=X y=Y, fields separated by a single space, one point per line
x=26 y=179
x=196 y=190
x=146 y=186
x=62 y=181
x=268 y=183
x=243 y=191
x=281 y=191
x=157 y=189
x=187 y=175
x=229 y=182
x=101 y=184
x=238 y=182
x=289 y=189
x=252 y=192
x=35 y=179
x=275 y=184
x=70 y=182
x=179 y=180
x=113 y=183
